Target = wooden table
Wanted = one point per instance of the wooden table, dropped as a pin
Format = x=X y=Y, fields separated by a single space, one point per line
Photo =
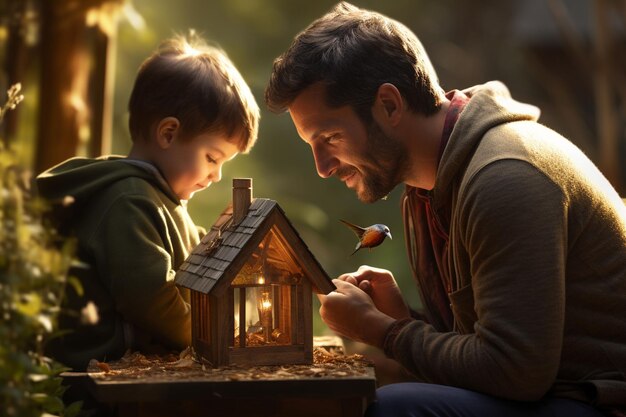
x=313 y=390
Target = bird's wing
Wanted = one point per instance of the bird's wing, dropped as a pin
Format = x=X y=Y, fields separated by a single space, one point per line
x=356 y=229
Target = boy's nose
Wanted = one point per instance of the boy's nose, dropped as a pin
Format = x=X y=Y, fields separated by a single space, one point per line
x=216 y=175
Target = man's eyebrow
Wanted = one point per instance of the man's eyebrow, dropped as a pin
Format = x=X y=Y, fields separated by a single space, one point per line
x=319 y=132
x=316 y=134
x=309 y=139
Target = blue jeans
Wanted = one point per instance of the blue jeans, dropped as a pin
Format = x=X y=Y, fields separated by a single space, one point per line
x=410 y=399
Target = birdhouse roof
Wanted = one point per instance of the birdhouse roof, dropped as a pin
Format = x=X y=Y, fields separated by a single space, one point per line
x=226 y=248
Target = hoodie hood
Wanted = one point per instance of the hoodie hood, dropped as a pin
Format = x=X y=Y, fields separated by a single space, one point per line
x=81 y=179
x=490 y=105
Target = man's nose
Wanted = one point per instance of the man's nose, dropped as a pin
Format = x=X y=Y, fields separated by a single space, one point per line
x=325 y=163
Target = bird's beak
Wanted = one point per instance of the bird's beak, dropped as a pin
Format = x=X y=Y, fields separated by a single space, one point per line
x=389 y=235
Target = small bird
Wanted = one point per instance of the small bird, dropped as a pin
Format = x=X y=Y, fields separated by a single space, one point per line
x=370 y=236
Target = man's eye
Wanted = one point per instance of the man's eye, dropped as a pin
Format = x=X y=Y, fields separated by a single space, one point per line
x=331 y=138
x=210 y=160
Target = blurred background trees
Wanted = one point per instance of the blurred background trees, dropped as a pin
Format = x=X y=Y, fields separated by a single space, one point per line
x=76 y=61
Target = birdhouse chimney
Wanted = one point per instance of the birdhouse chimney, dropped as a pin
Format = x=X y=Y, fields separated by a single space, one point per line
x=242 y=198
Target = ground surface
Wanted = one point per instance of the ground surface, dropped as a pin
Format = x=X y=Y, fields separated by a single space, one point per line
x=328 y=361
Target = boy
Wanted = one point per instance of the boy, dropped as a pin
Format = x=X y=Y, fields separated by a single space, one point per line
x=190 y=112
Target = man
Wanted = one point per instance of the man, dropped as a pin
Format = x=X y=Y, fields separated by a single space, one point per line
x=517 y=241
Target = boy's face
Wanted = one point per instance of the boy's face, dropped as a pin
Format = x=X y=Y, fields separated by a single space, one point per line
x=192 y=164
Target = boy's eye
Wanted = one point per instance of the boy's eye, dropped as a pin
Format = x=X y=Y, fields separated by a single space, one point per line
x=331 y=138
x=210 y=160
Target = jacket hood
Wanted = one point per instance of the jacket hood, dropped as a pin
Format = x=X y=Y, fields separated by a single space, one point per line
x=83 y=178
x=490 y=105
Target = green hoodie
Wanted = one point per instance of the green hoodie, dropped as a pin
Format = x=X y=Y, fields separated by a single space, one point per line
x=132 y=233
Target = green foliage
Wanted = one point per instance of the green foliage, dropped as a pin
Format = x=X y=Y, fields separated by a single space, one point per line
x=33 y=274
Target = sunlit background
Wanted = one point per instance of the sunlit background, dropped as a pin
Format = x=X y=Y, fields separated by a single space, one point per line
x=567 y=57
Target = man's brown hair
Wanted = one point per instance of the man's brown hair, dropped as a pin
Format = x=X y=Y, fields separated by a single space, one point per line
x=352 y=52
x=196 y=83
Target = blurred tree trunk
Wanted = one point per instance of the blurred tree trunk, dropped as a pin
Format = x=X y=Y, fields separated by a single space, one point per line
x=607 y=116
x=603 y=62
x=77 y=41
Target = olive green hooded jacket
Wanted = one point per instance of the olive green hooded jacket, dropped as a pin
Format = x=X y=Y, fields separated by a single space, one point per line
x=132 y=234
x=537 y=258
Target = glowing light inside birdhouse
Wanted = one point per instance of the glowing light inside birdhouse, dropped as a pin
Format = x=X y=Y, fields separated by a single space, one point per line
x=265 y=314
x=266 y=303
x=260 y=280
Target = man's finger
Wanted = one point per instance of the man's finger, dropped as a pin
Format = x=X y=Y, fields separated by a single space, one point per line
x=351 y=279
x=348 y=277
x=343 y=286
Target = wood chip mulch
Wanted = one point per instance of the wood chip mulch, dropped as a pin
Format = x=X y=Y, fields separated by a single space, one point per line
x=327 y=363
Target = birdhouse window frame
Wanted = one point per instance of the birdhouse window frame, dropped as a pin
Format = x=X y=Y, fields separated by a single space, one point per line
x=288 y=313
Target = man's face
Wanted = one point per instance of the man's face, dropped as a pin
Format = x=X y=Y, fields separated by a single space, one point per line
x=367 y=160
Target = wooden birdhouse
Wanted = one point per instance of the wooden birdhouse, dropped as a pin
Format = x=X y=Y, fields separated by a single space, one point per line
x=251 y=280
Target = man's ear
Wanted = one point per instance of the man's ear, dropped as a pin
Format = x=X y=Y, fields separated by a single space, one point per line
x=388 y=106
x=167 y=131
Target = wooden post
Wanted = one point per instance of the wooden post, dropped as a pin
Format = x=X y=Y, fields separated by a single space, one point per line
x=103 y=80
x=242 y=198
x=76 y=80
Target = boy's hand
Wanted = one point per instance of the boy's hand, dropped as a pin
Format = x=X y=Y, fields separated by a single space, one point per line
x=381 y=286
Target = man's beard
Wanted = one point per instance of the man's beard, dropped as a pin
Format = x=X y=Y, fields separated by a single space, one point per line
x=386 y=163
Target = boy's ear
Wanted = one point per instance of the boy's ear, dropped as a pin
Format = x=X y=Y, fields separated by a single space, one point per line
x=388 y=105
x=167 y=131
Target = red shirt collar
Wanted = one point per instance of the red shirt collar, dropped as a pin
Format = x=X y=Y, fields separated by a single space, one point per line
x=458 y=100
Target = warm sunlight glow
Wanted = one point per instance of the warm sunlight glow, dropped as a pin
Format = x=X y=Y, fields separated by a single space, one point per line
x=105 y=17
x=190 y=50
x=81 y=111
x=133 y=17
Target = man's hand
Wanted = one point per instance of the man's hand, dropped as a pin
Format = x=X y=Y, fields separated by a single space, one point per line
x=382 y=288
x=351 y=312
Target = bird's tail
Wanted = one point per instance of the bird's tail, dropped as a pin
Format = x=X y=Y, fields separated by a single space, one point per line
x=358 y=230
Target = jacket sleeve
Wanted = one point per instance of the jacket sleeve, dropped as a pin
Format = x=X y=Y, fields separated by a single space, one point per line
x=513 y=228
x=133 y=256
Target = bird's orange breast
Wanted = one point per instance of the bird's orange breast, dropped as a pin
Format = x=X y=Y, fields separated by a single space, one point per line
x=372 y=238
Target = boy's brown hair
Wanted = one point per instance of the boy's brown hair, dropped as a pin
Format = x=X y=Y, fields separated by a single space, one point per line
x=352 y=52
x=196 y=83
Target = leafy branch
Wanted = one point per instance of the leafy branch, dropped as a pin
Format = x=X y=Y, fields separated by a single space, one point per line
x=14 y=98
x=34 y=264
